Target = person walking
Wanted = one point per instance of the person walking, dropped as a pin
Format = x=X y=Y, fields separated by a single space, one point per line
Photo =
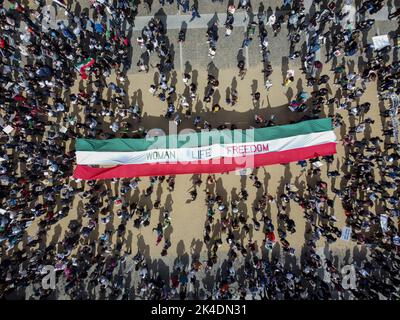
x=184 y=4
x=195 y=13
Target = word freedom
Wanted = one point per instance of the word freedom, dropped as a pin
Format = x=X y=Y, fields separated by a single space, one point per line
x=207 y=153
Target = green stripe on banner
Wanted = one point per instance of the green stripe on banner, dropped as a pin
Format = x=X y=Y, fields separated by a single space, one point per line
x=205 y=138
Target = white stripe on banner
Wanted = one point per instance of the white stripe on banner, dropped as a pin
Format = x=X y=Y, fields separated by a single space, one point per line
x=214 y=151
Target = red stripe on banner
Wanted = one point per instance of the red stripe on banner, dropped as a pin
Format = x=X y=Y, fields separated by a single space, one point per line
x=210 y=166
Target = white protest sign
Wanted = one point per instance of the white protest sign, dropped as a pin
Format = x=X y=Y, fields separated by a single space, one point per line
x=8 y=129
x=346 y=233
x=380 y=42
x=63 y=129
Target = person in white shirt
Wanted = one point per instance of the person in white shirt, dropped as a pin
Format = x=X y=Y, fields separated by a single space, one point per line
x=153 y=89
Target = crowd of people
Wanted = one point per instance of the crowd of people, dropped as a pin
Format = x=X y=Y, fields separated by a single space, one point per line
x=41 y=113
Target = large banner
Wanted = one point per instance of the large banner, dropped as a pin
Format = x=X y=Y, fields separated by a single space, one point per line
x=203 y=152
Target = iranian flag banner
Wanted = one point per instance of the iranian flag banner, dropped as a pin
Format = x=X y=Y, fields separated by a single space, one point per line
x=203 y=152
x=81 y=67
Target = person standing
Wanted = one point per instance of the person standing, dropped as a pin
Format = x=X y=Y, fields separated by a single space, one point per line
x=184 y=4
